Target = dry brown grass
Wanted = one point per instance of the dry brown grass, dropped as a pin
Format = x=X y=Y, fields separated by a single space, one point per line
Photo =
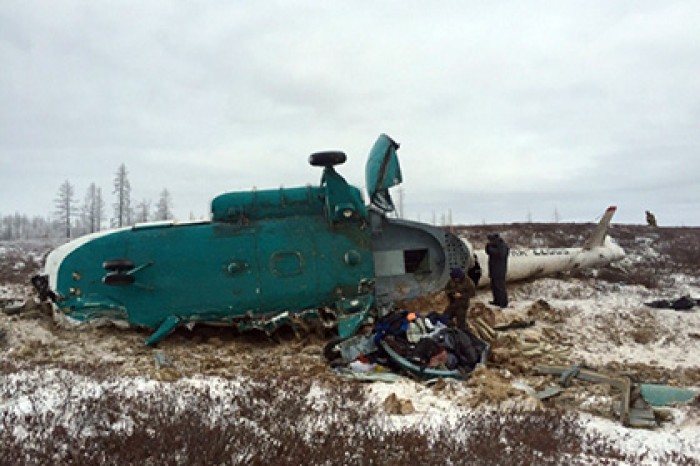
x=268 y=422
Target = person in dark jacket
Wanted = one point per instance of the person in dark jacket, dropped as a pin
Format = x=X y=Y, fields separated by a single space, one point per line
x=498 y=250
x=459 y=290
x=474 y=271
x=651 y=219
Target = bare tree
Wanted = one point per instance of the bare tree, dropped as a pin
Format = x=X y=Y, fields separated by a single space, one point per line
x=15 y=226
x=19 y=226
x=165 y=205
x=99 y=209
x=6 y=225
x=40 y=227
x=143 y=211
x=93 y=209
x=122 y=206
x=65 y=205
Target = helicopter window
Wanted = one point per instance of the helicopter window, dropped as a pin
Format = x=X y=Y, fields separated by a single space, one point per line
x=389 y=263
x=416 y=260
x=286 y=263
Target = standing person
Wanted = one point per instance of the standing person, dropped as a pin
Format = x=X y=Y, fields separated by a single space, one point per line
x=498 y=250
x=651 y=219
x=459 y=290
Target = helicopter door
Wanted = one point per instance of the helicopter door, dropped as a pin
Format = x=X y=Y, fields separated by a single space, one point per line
x=382 y=172
x=286 y=254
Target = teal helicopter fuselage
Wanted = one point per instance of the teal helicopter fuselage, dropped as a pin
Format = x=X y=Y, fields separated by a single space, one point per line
x=266 y=258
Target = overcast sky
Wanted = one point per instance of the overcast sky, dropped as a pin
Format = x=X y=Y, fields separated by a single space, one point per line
x=505 y=111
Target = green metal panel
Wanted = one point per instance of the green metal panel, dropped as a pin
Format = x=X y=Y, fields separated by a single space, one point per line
x=185 y=270
x=302 y=263
x=342 y=202
x=382 y=172
x=665 y=395
x=293 y=259
x=257 y=205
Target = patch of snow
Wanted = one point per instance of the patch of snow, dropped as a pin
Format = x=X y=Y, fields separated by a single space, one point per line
x=655 y=443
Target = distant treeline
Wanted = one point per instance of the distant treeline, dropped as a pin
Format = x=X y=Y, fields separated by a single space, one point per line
x=72 y=218
x=21 y=226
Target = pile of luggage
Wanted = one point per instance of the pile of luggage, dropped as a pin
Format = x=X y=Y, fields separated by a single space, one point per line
x=422 y=345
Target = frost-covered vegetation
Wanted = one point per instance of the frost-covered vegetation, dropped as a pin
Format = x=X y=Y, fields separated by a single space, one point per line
x=81 y=416
x=98 y=395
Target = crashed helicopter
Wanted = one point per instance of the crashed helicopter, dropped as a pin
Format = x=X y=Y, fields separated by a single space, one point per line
x=266 y=258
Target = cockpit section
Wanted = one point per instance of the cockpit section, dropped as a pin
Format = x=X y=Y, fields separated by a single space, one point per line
x=412 y=259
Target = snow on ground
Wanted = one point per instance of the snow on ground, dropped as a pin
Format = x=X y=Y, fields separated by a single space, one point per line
x=605 y=325
x=13 y=292
x=674 y=437
x=609 y=323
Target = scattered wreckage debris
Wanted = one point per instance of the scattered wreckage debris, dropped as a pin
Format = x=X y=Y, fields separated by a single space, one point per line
x=162 y=361
x=633 y=410
x=423 y=347
x=684 y=303
x=637 y=400
x=513 y=344
x=513 y=339
x=666 y=395
x=12 y=307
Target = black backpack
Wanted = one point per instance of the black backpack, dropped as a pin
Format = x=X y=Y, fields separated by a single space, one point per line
x=424 y=350
x=465 y=346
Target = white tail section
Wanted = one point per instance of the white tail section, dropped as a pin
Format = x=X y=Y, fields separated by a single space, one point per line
x=597 y=239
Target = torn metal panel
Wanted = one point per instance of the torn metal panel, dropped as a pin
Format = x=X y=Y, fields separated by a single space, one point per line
x=665 y=395
x=637 y=414
x=548 y=392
